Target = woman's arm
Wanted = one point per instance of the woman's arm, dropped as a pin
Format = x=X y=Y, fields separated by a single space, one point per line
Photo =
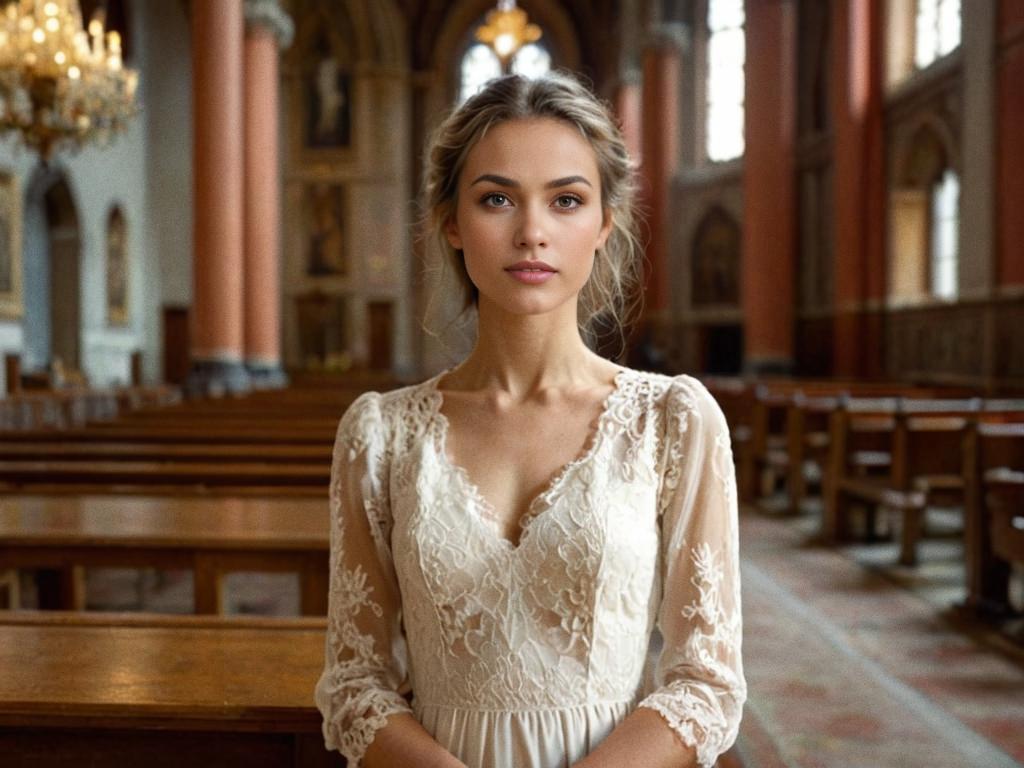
x=403 y=741
x=643 y=738
x=693 y=716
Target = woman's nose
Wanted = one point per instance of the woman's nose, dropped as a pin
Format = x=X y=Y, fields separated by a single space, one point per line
x=531 y=230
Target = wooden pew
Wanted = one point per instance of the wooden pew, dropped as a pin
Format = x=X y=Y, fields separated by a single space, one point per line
x=211 y=537
x=209 y=433
x=20 y=476
x=160 y=692
x=187 y=452
x=924 y=440
x=790 y=426
x=993 y=510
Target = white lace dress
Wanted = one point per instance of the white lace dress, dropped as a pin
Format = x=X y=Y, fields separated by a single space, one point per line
x=528 y=655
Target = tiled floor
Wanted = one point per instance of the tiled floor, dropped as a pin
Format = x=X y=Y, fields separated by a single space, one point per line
x=853 y=660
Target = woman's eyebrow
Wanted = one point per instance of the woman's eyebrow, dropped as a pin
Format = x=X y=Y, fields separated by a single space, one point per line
x=504 y=181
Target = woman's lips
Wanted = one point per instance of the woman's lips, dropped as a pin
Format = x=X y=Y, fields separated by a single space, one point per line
x=531 y=276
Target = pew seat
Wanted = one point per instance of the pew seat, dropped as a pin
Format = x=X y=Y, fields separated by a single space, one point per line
x=80 y=690
x=211 y=537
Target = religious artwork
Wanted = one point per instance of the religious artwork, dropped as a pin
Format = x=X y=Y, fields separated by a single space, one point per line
x=322 y=331
x=327 y=96
x=10 y=248
x=324 y=214
x=117 y=269
x=716 y=261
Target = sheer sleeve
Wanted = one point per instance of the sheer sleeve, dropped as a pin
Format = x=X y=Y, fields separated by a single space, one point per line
x=701 y=688
x=365 y=663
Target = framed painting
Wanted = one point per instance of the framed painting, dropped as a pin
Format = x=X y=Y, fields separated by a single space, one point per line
x=117 y=269
x=325 y=228
x=11 y=296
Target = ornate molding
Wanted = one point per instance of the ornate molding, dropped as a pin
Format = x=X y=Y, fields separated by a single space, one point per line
x=269 y=15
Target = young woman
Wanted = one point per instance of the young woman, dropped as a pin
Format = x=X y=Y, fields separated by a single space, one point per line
x=510 y=536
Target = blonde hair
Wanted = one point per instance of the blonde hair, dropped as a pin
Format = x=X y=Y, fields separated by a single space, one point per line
x=611 y=297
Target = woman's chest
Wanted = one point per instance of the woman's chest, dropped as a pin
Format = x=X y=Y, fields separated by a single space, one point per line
x=595 y=527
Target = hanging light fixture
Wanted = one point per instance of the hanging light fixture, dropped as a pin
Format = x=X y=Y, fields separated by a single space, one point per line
x=61 y=86
x=507 y=29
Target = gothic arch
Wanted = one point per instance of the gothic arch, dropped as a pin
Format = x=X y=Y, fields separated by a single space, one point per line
x=52 y=276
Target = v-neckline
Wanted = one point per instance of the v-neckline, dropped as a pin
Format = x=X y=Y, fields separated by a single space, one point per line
x=483 y=505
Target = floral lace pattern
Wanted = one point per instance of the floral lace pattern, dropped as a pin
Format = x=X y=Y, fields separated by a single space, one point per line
x=638 y=532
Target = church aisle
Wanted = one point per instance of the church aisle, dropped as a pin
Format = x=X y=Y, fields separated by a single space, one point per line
x=847 y=669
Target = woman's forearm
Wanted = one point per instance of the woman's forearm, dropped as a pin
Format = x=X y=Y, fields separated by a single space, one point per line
x=403 y=741
x=643 y=738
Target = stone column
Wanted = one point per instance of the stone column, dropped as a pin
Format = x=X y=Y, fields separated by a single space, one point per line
x=859 y=188
x=267 y=29
x=217 y=341
x=627 y=101
x=769 y=199
x=660 y=139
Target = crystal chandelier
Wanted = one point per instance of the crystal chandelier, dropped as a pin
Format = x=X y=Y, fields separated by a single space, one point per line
x=59 y=85
x=507 y=29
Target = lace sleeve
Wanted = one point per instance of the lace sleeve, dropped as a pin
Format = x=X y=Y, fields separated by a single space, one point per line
x=701 y=688
x=365 y=649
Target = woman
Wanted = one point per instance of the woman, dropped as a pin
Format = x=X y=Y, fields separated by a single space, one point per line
x=509 y=536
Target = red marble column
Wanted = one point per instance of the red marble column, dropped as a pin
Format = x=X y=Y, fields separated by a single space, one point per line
x=628 y=106
x=267 y=27
x=859 y=187
x=217 y=30
x=769 y=204
x=1010 y=165
x=662 y=63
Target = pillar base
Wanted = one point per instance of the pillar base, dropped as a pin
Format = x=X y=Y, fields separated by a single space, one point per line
x=768 y=366
x=217 y=378
x=267 y=376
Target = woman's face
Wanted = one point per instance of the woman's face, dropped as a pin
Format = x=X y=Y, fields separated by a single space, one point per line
x=529 y=192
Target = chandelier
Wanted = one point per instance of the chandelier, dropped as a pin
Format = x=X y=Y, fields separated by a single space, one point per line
x=507 y=29
x=61 y=86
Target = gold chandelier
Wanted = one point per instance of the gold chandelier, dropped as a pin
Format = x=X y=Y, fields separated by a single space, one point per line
x=59 y=85
x=507 y=29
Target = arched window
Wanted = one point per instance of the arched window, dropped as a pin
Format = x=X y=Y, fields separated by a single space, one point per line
x=937 y=30
x=924 y=223
x=725 y=83
x=480 y=64
x=945 y=220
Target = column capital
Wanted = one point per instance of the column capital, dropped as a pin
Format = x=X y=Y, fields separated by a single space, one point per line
x=630 y=76
x=269 y=15
x=668 y=34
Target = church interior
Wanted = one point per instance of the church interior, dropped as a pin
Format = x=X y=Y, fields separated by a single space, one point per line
x=211 y=220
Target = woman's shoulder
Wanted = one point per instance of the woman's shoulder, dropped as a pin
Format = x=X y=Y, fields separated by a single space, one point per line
x=679 y=399
x=386 y=413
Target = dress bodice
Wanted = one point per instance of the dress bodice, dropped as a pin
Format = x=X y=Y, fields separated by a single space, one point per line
x=636 y=534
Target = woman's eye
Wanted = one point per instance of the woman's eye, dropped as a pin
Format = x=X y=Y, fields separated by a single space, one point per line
x=567 y=202
x=496 y=199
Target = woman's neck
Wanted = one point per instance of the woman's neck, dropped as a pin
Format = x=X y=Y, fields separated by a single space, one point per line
x=524 y=354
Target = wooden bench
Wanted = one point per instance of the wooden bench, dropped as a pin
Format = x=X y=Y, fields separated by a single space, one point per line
x=211 y=433
x=17 y=476
x=924 y=442
x=993 y=510
x=211 y=537
x=155 y=692
x=101 y=451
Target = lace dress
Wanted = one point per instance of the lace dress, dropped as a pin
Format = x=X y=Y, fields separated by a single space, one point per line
x=528 y=655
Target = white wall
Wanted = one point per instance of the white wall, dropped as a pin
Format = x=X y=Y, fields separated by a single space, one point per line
x=147 y=172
